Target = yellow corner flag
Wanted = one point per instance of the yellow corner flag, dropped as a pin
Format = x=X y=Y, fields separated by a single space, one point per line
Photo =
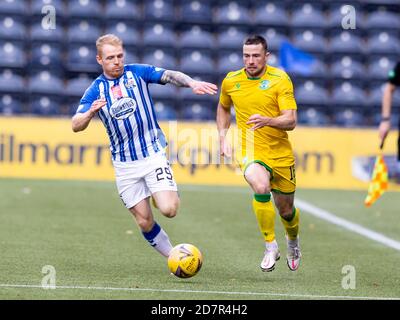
x=379 y=181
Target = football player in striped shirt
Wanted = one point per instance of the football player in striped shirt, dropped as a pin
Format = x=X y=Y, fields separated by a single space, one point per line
x=120 y=97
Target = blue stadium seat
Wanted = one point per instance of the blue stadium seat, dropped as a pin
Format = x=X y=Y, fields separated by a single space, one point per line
x=160 y=92
x=196 y=38
x=10 y=105
x=11 y=83
x=37 y=7
x=12 y=28
x=271 y=14
x=165 y=112
x=83 y=31
x=346 y=42
x=130 y=57
x=46 y=83
x=197 y=62
x=383 y=43
x=159 y=36
x=76 y=87
x=382 y=20
x=122 y=10
x=196 y=11
x=233 y=14
x=349 y=95
x=230 y=62
x=46 y=56
x=160 y=58
x=338 y=10
x=311 y=94
x=317 y=70
x=349 y=117
x=39 y=34
x=310 y=41
x=379 y=67
x=82 y=58
x=347 y=68
x=13 y=7
x=274 y=38
x=231 y=38
x=127 y=32
x=84 y=9
x=159 y=10
x=308 y=16
x=12 y=55
x=44 y=106
x=197 y=112
x=312 y=117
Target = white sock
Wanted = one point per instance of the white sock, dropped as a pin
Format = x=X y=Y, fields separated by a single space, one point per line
x=273 y=245
x=159 y=240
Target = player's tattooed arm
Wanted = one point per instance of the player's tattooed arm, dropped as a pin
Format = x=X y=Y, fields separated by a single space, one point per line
x=183 y=80
x=176 y=78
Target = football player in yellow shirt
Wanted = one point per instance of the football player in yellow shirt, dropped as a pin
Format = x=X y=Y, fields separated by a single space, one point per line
x=265 y=109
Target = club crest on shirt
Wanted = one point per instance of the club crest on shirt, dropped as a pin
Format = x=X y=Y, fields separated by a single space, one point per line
x=122 y=108
x=264 y=84
x=130 y=83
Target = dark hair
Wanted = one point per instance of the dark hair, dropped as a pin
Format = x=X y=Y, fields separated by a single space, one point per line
x=256 y=39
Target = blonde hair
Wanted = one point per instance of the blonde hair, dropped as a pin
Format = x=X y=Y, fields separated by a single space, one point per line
x=107 y=39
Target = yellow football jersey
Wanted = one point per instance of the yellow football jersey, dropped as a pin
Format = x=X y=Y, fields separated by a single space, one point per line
x=267 y=96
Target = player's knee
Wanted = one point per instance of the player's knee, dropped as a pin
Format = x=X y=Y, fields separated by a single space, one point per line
x=171 y=209
x=261 y=188
x=286 y=213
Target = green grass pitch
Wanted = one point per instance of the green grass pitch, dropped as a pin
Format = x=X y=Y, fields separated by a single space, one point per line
x=84 y=232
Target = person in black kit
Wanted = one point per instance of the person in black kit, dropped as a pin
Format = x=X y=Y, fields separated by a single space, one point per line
x=384 y=127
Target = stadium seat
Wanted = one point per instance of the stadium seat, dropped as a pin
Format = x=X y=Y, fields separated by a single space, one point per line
x=130 y=57
x=127 y=32
x=232 y=14
x=38 y=6
x=11 y=83
x=349 y=95
x=196 y=11
x=44 y=106
x=338 y=10
x=197 y=112
x=311 y=94
x=317 y=70
x=160 y=58
x=165 y=92
x=271 y=14
x=349 y=118
x=197 y=62
x=379 y=67
x=274 y=38
x=229 y=62
x=347 y=68
x=159 y=10
x=39 y=34
x=9 y=105
x=159 y=35
x=196 y=38
x=382 y=20
x=312 y=117
x=122 y=10
x=308 y=16
x=83 y=31
x=165 y=112
x=12 y=29
x=46 y=83
x=346 y=42
x=76 y=87
x=383 y=43
x=82 y=58
x=13 y=7
x=46 y=56
x=12 y=55
x=310 y=41
x=231 y=38
x=84 y=9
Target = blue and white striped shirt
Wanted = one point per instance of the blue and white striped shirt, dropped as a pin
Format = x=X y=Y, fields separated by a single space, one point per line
x=129 y=115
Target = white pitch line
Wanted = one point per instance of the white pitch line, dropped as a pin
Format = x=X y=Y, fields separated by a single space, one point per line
x=244 y=293
x=353 y=227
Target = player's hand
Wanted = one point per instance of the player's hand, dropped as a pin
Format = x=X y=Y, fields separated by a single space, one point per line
x=201 y=87
x=384 y=129
x=258 y=121
x=225 y=147
x=97 y=105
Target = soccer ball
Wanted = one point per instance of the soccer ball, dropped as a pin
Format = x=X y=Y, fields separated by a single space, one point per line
x=185 y=260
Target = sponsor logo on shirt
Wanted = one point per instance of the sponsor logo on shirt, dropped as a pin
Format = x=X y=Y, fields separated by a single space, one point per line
x=123 y=108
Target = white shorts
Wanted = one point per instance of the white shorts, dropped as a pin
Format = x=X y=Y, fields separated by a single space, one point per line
x=139 y=179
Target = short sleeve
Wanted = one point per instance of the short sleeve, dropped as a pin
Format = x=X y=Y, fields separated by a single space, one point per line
x=394 y=75
x=286 y=100
x=149 y=73
x=91 y=94
x=224 y=98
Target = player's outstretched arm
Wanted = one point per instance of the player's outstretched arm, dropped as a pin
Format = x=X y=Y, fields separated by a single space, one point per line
x=180 y=79
x=80 y=121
